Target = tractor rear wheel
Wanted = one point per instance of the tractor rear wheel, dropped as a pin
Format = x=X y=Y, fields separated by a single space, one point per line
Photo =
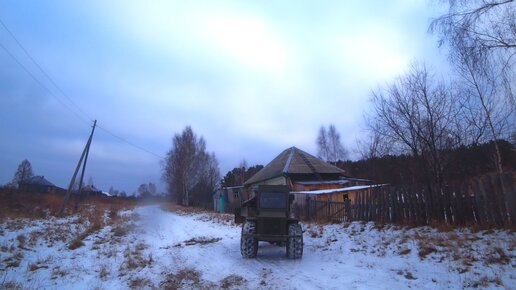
x=295 y=242
x=248 y=243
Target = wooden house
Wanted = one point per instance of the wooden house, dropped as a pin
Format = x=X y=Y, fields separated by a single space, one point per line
x=307 y=176
x=39 y=184
x=226 y=199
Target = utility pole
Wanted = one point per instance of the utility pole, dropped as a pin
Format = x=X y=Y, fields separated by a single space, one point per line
x=84 y=157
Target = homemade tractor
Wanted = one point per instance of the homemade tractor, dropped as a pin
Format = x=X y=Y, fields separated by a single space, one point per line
x=268 y=217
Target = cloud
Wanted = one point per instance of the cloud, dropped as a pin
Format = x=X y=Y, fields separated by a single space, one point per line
x=372 y=52
x=204 y=34
x=253 y=78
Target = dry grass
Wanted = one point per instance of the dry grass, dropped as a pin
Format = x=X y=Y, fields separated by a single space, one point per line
x=186 y=278
x=33 y=267
x=135 y=259
x=21 y=241
x=404 y=251
x=95 y=224
x=220 y=218
x=233 y=282
x=179 y=209
x=426 y=247
x=409 y=276
x=315 y=231
x=103 y=272
x=58 y=273
x=76 y=243
x=120 y=230
x=11 y=285
x=484 y=282
x=497 y=256
x=13 y=261
x=442 y=226
x=140 y=283
x=15 y=205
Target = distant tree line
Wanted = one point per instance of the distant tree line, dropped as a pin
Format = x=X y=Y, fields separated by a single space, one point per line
x=115 y=192
x=468 y=162
x=146 y=190
x=238 y=175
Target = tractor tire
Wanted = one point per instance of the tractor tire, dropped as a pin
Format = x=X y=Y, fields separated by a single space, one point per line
x=295 y=242
x=248 y=244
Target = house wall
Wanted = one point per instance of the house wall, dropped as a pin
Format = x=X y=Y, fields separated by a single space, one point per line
x=234 y=196
x=35 y=188
x=280 y=180
x=340 y=196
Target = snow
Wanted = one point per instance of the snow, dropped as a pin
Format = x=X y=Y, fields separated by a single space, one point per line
x=201 y=250
x=328 y=191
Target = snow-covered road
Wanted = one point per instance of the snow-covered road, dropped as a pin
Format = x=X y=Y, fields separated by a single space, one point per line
x=169 y=250
x=335 y=257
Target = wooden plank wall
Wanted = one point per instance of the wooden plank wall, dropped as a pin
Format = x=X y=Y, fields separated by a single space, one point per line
x=487 y=201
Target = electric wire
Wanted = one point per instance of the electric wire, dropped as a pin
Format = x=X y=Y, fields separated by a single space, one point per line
x=41 y=84
x=129 y=142
x=42 y=70
x=84 y=116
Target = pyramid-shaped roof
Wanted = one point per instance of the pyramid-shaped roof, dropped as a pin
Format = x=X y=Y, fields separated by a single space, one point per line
x=38 y=180
x=293 y=161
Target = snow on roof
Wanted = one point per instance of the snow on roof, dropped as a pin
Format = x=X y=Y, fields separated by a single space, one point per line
x=233 y=187
x=323 y=182
x=334 y=190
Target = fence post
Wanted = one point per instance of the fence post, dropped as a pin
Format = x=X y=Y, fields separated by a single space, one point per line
x=347 y=209
x=492 y=187
x=477 y=204
x=510 y=197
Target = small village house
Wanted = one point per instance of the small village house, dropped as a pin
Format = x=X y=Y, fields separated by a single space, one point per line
x=308 y=177
x=39 y=184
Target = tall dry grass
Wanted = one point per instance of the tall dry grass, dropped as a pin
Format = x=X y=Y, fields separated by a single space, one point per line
x=42 y=205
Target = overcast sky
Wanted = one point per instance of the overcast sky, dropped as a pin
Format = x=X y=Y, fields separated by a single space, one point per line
x=253 y=78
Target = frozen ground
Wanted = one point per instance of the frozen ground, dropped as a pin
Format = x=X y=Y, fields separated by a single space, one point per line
x=151 y=248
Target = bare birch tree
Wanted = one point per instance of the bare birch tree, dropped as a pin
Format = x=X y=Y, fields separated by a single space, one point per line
x=323 y=151
x=23 y=173
x=188 y=165
x=481 y=36
x=329 y=145
x=373 y=145
x=337 y=150
x=419 y=116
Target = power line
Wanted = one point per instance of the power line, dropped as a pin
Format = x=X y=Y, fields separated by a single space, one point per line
x=84 y=116
x=130 y=143
x=42 y=70
x=41 y=84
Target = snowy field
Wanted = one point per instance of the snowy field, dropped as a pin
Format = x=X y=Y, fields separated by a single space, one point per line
x=151 y=248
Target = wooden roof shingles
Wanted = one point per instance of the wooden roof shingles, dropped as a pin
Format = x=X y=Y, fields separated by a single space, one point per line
x=293 y=161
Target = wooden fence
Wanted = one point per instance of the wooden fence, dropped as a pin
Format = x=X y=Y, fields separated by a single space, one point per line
x=487 y=201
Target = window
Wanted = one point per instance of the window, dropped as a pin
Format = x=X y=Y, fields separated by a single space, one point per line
x=273 y=200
